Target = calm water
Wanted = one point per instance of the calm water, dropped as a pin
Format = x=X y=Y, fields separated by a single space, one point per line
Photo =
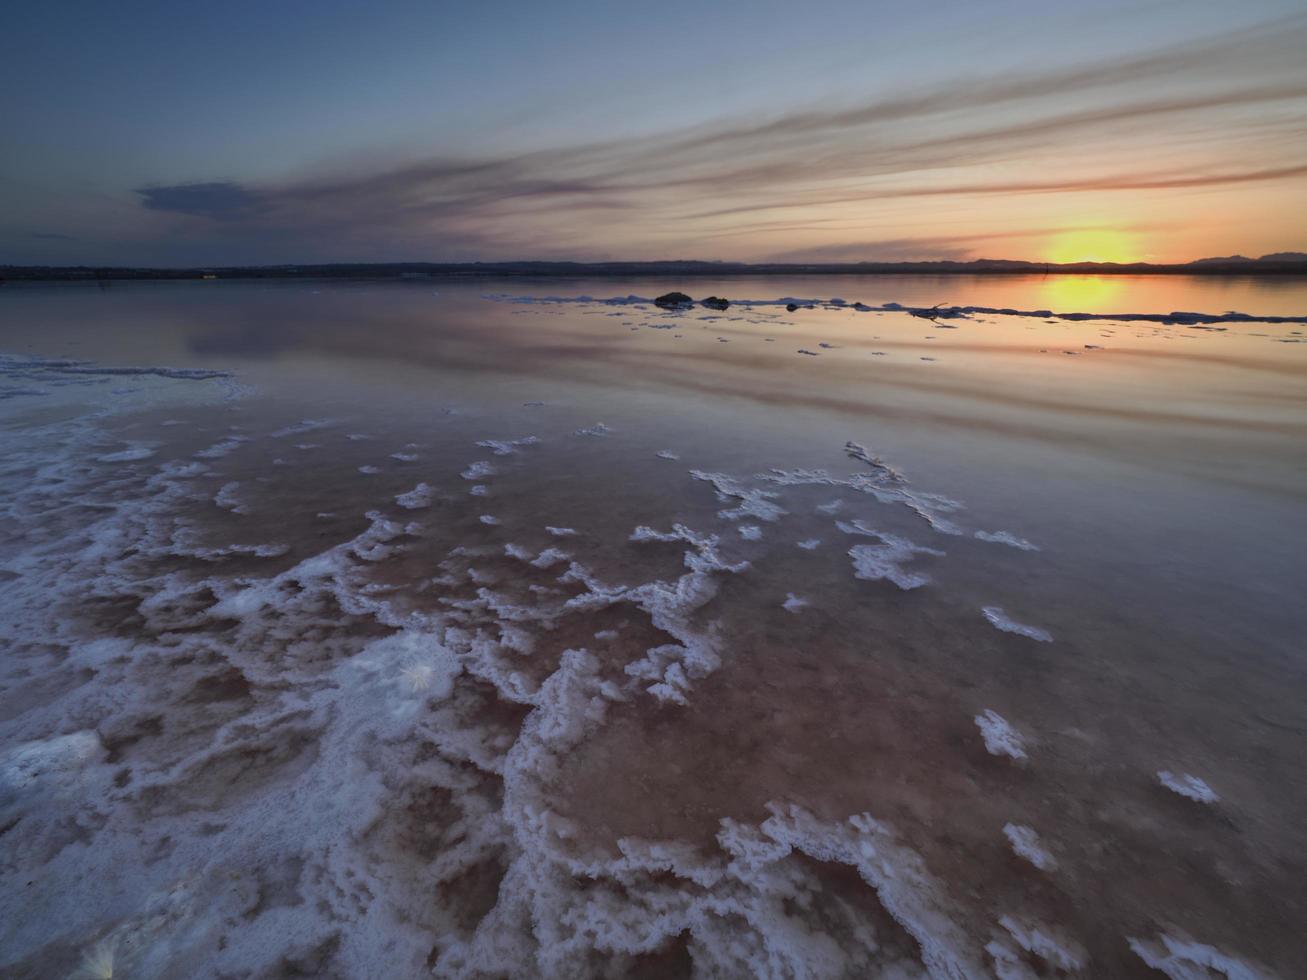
x=393 y=630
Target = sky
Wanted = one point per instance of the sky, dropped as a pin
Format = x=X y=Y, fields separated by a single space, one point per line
x=184 y=133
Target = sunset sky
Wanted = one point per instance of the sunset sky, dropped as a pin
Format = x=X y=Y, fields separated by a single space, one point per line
x=186 y=133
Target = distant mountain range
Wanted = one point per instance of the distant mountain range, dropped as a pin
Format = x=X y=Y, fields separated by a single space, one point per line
x=1275 y=264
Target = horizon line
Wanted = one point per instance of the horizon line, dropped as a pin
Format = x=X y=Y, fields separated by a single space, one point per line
x=1276 y=263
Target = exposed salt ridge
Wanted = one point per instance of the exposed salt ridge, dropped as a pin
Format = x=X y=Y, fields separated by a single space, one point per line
x=886 y=472
x=1000 y=620
x=999 y=735
x=11 y=364
x=506 y=447
x=704 y=558
x=1057 y=950
x=885 y=560
x=673 y=667
x=753 y=503
x=1187 y=786
x=898 y=876
x=884 y=482
x=1025 y=843
x=228 y=498
x=479 y=470
x=547 y=558
x=49 y=765
x=793 y=603
x=417 y=498
x=132 y=455
x=598 y=429
x=307 y=425
x=1004 y=537
x=1185 y=959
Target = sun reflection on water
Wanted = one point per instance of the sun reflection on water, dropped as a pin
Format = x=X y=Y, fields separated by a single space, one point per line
x=1069 y=294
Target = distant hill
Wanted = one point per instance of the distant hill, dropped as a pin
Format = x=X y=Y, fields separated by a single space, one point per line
x=1299 y=257
x=1277 y=264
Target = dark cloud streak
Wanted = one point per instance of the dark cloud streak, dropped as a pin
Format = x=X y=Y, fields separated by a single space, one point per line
x=223 y=201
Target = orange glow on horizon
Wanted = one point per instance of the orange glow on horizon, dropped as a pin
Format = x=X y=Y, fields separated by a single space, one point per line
x=1093 y=245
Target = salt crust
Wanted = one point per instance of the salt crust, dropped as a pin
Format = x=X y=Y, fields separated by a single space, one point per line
x=287 y=815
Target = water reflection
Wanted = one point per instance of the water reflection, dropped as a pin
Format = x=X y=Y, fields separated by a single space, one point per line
x=1082 y=294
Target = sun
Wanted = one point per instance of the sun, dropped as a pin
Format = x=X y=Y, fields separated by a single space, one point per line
x=1093 y=245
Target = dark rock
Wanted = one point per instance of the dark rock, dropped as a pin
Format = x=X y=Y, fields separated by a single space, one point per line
x=716 y=303
x=791 y=307
x=673 y=301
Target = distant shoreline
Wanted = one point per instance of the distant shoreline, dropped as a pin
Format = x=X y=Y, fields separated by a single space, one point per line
x=1260 y=268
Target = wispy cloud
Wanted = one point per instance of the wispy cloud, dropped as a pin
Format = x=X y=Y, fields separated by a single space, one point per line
x=923 y=249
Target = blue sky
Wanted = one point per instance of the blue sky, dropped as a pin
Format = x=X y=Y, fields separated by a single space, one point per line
x=186 y=133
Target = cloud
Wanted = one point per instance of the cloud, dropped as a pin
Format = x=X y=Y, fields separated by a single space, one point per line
x=941 y=248
x=966 y=137
x=221 y=200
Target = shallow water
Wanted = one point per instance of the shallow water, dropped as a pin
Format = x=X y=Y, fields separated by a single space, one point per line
x=400 y=630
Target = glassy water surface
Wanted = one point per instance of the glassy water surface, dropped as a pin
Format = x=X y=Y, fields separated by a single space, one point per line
x=423 y=625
